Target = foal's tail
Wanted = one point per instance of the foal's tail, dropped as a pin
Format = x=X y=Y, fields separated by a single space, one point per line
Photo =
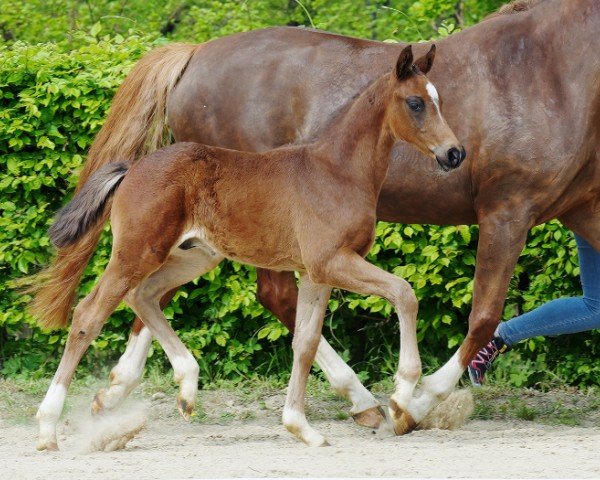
x=136 y=125
x=77 y=217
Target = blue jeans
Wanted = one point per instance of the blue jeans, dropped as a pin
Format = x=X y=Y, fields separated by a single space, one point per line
x=563 y=315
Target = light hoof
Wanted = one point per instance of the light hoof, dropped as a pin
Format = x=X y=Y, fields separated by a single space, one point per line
x=314 y=439
x=370 y=418
x=50 y=446
x=403 y=421
x=185 y=408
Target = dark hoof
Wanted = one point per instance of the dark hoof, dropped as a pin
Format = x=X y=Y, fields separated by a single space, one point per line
x=370 y=418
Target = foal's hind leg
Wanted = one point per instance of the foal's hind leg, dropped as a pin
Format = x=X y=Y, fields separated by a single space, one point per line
x=88 y=318
x=348 y=270
x=127 y=374
x=181 y=267
x=312 y=303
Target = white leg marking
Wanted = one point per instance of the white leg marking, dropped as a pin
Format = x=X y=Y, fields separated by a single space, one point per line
x=343 y=379
x=186 y=370
x=48 y=414
x=312 y=303
x=297 y=424
x=126 y=375
x=409 y=365
x=436 y=388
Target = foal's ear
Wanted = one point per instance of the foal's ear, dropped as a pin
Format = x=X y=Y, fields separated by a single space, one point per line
x=426 y=61
x=404 y=66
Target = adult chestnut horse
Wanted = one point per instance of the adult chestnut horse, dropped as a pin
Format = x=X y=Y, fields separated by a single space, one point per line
x=522 y=93
x=307 y=208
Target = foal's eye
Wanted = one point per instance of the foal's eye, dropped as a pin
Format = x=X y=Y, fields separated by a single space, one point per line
x=416 y=104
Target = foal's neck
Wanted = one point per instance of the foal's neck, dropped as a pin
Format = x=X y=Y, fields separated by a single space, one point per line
x=358 y=143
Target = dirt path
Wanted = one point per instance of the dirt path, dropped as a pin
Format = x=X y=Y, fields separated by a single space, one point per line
x=242 y=438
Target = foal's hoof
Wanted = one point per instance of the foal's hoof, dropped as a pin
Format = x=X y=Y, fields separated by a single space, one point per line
x=185 y=408
x=50 y=446
x=370 y=418
x=98 y=403
x=403 y=421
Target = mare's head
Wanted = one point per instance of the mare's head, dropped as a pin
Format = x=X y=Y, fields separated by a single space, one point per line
x=414 y=113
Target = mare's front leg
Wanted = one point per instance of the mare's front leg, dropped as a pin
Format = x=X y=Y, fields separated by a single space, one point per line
x=88 y=318
x=502 y=237
x=312 y=303
x=349 y=271
x=278 y=293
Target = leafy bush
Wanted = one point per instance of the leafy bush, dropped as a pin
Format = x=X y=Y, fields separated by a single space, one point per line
x=52 y=104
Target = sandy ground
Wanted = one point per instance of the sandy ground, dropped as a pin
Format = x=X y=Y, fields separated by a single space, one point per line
x=243 y=443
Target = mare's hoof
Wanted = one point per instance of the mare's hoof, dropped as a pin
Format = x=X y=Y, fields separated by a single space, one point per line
x=185 y=408
x=402 y=420
x=370 y=418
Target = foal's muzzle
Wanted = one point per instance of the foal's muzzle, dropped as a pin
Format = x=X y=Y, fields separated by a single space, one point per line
x=452 y=158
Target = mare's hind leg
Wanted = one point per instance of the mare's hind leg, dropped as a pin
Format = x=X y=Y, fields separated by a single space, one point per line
x=127 y=374
x=348 y=270
x=181 y=267
x=277 y=292
x=312 y=303
x=88 y=318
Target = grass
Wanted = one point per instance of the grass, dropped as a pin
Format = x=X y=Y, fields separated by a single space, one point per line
x=555 y=407
x=259 y=397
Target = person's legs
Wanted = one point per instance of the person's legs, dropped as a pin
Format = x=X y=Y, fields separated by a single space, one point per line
x=560 y=316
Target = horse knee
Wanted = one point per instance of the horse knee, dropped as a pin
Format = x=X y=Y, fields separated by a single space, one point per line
x=404 y=299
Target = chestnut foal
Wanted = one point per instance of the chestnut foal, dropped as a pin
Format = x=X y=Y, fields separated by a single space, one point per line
x=179 y=211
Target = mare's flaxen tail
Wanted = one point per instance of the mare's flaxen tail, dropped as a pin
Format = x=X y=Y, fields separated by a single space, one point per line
x=77 y=217
x=136 y=125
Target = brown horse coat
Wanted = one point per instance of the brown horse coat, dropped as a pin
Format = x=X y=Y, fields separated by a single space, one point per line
x=522 y=92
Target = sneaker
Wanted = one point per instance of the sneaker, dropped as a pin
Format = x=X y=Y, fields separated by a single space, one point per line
x=484 y=359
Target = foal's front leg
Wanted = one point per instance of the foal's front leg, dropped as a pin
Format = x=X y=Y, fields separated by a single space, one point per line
x=312 y=303
x=349 y=271
x=278 y=293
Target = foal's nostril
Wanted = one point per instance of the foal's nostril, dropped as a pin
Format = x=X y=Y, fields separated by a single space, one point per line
x=454 y=157
x=463 y=154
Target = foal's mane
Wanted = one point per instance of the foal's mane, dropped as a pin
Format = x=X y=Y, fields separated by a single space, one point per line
x=516 y=6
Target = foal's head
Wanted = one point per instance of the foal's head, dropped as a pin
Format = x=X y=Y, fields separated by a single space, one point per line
x=414 y=113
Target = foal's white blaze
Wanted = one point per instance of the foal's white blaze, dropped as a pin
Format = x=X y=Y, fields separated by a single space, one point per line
x=433 y=93
x=343 y=379
x=49 y=413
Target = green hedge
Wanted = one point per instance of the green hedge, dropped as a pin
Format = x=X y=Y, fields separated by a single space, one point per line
x=51 y=106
